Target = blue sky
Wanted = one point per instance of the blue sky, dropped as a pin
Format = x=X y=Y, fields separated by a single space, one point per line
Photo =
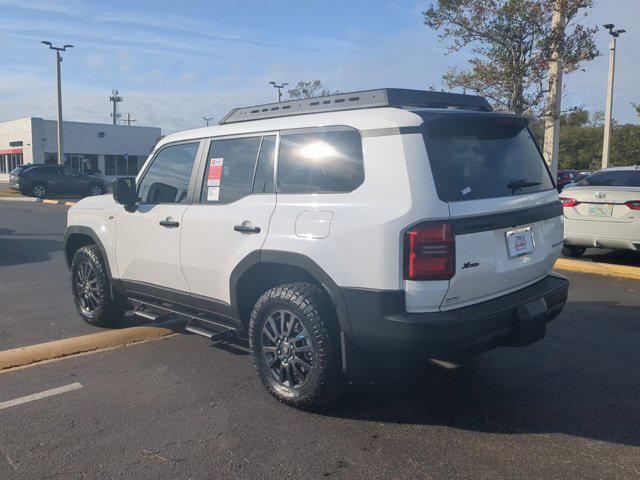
x=175 y=62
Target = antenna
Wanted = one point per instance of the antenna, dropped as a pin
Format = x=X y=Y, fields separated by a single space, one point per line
x=115 y=98
x=128 y=120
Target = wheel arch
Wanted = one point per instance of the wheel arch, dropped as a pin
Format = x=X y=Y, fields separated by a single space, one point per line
x=78 y=236
x=264 y=269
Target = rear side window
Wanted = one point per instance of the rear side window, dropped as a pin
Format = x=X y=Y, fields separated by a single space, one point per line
x=477 y=156
x=230 y=168
x=44 y=170
x=613 y=178
x=167 y=178
x=321 y=160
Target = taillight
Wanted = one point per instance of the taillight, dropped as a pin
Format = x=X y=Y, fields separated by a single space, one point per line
x=430 y=252
x=568 y=202
x=633 y=204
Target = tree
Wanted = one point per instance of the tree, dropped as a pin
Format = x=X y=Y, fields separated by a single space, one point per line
x=310 y=89
x=636 y=107
x=512 y=42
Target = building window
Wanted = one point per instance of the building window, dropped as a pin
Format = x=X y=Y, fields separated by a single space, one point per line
x=121 y=165
x=82 y=162
x=10 y=161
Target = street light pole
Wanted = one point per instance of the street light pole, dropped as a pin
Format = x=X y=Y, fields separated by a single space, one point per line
x=279 y=87
x=207 y=119
x=60 y=128
x=606 y=144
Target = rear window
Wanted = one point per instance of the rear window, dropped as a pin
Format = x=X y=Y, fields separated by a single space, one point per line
x=475 y=156
x=613 y=178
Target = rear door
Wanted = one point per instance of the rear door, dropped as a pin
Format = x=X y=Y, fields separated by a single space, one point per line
x=502 y=203
x=230 y=215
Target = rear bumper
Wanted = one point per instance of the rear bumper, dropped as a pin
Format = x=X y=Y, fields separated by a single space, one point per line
x=615 y=235
x=381 y=325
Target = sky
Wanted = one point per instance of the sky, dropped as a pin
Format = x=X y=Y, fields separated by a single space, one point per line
x=176 y=62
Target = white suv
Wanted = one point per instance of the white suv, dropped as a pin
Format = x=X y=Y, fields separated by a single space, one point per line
x=382 y=222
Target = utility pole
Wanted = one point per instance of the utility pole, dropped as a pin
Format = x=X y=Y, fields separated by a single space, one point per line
x=115 y=98
x=128 y=120
x=60 y=127
x=207 y=119
x=606 y=144
x=554 y=99
x=279 y=87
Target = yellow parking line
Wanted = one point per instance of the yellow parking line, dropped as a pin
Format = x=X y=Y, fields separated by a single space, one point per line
x=596 y=268
x=69 y=204
x=20 y=357
x=50 y=202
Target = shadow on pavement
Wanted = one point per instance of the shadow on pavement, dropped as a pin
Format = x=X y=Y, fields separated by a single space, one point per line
x=26 y=250
x=579 y=381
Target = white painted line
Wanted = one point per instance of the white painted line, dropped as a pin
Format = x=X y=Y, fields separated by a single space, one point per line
x=41 y=395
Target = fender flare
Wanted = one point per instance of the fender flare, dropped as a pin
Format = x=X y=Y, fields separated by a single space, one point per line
x=82 y=230
x=296 y=260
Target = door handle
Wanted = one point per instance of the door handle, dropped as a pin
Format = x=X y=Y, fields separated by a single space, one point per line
x=246 y=228
x=169 y=223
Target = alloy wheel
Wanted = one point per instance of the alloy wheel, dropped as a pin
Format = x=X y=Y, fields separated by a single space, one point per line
x=86 y=286
x=39 y=191
x=96 y=190
x=287 y=349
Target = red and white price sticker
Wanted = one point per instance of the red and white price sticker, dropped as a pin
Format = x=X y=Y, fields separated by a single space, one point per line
x=214 y=175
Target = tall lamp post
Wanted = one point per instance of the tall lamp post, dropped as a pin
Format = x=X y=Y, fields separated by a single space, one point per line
x=606 y=144
x=58 y=60
x=279 y=87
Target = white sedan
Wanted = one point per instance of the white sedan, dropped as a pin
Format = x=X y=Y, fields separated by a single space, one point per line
x=603 y=211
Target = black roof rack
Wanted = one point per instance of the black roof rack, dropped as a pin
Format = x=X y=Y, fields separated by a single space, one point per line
x=383 y=97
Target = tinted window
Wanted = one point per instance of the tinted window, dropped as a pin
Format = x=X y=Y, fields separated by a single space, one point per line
x=613 y=178
x=43 y=170
x=230 y=167
x=320 y=160
x=263 y=181
x=70 y=172
x=477 y=156
x=167 y=178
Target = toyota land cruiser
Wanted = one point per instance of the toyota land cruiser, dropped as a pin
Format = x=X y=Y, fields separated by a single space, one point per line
x=325 y=230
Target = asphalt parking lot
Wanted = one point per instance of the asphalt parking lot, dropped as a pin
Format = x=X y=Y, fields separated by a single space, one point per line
x=566 y=407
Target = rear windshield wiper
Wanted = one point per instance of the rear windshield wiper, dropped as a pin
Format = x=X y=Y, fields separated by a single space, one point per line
x=516 y=185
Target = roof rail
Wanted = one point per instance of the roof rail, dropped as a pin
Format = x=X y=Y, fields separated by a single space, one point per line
x=383 y=97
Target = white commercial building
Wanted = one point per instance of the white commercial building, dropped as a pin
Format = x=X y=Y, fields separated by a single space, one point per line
x=112 y=150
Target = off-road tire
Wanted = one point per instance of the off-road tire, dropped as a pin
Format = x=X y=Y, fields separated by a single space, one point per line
x=573 y=251
x=108 y=309
x=312 y=306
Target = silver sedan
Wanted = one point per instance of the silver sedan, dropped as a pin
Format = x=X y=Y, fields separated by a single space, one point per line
x=603 y=211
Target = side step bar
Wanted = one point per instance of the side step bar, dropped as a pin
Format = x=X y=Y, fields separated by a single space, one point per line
x=156 y=312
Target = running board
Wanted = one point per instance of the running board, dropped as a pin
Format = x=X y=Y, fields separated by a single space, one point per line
x=212 y=335
x=155 y=312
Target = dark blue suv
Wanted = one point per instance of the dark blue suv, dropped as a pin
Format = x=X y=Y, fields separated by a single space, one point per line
x=42 y=180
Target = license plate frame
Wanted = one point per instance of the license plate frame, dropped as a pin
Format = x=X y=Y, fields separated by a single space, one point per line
x=602 y=210
x=519 y=242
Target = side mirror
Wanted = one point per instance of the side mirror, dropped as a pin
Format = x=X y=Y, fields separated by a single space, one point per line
x=125 y=192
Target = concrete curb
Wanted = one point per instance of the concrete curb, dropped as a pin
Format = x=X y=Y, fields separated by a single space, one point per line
x=38 y=200
x=604 y=269
x=32 y=354
x=18 y=199
x=55 y=202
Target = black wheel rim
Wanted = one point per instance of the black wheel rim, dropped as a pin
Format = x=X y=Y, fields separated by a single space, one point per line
x=86 y=286
x=95 y=190
x=287 y=349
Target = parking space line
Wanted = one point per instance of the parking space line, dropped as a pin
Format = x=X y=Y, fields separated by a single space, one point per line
x=598 y=268
x=41 y=395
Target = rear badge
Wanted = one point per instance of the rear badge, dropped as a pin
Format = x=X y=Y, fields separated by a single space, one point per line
x=470 y=265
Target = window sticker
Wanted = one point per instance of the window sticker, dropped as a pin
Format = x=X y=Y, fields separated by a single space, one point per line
x=465 y=191
x=213 y=194
x=215 y=173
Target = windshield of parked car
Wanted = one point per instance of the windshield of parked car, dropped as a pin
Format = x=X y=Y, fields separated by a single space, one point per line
x=612 y=178
x=477 y=156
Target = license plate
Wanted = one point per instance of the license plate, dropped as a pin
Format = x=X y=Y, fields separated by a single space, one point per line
x=519 y=242
x=600 y=210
